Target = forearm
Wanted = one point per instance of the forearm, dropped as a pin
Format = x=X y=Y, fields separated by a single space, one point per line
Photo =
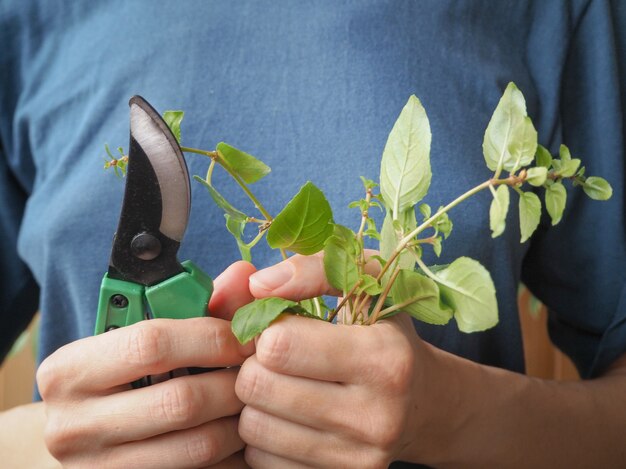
x=496 y=418
x=21 y=438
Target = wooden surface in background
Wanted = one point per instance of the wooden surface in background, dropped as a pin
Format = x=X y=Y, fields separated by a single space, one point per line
x=543 y=360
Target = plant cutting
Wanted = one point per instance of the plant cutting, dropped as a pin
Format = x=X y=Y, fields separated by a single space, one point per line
x=462 y=290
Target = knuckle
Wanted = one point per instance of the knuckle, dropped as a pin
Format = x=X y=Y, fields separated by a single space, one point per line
x=147 y=345
x=220 y=340
x=250 y=426
x=59 y=437
x=202 y=449
x=250 y=384
x=274 y=347
x=177 y=402
x=48 y=377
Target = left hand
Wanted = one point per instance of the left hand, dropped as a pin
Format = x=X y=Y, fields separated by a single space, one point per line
x=325 y=395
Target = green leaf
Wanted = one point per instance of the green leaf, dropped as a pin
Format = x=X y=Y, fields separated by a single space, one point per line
x=564 y=153
x=252 y=319
x=371 y=230
x=390 y=238
x=221 y=202
x=523 y=144
x=508 y=125
x=543 y=157
x=537 y=176
x=529 y=214
x=556 y=197
x=236 y=226
x=437 y=246
x=341 y=252
x=425 y=210
x=443 y=224
x=249 y=168
x=304 y=224
x=597 y=188
x=566 y=168
x=368 y=184
x=467 y=287
x=369 y=285
x=420 y=297
x=498 y=210
x=405 y=167
x=173 y=120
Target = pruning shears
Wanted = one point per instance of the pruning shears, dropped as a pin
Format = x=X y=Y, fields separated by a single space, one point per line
x=145 y=280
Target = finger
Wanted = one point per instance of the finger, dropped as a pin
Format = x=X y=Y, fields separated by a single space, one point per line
x=231 y=291
x=234 y=461
x=202 y=446
x=260 y=459
x=293 y=441
x=298 y=346
x=177 y=404
x=298 y=277
x=317 y=404
x=100 y=363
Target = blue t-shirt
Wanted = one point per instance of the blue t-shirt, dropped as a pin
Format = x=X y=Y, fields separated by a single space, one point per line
x=313 y=89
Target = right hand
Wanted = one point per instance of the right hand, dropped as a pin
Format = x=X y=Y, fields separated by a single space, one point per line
x=95 y=418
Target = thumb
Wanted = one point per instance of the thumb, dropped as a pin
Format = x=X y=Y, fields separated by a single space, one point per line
x=300 y=277
x=296 y=278
x=230 y=290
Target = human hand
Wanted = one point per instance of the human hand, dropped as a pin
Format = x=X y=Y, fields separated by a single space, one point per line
x=324 y=395
x=94 y=418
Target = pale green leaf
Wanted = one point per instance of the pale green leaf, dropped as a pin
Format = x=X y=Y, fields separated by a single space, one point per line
x=369 y=285
x=405 y=167
x=437 y=246
x=390 y=237
x=249 y=168
x=252 y=319
x=536 y=176
x=222 y=202
x=236 y=226
x=597 y=188
x=543 y=157
x=425 y=210
x=173 y=120
x=564 y=153
x=506 y=124
x=556 y=196
x=368 y=184
x=304 y=224
x=529 y=214
x=467 y=287
x=341 y=252
x=420 y=297
x=443 y=224
x=523 y=145
x=566 y=168
x=498 y=210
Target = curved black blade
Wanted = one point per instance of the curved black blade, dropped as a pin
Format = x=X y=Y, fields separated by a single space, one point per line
x=156 y=203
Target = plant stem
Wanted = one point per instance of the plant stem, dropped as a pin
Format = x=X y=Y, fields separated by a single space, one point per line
x=215 y=156
x=381 y=299
x=343 y=301
x=398 y=306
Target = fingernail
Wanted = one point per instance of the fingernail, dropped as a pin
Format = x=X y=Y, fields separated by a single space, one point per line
x=273 y=277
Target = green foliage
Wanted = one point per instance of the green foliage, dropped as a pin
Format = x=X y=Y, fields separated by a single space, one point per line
x=304 y=224
x=462 y=289
x=556 y=196
x=252 y=319
x=246 y=166
x=467 y=288
x=529 y=214
x=405 y=167
x=341 y=253
x=597 y=188
x=420 y=297
x=173 y=120
x=510 y=140
x=498 y=210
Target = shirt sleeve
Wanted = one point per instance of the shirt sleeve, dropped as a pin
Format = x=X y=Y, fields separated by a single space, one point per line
x=19 y=292
x=578 y=268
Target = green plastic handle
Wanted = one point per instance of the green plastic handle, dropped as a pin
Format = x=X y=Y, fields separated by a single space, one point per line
x=185 y=295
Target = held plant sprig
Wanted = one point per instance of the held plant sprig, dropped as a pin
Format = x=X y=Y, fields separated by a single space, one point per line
x=463 y=289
